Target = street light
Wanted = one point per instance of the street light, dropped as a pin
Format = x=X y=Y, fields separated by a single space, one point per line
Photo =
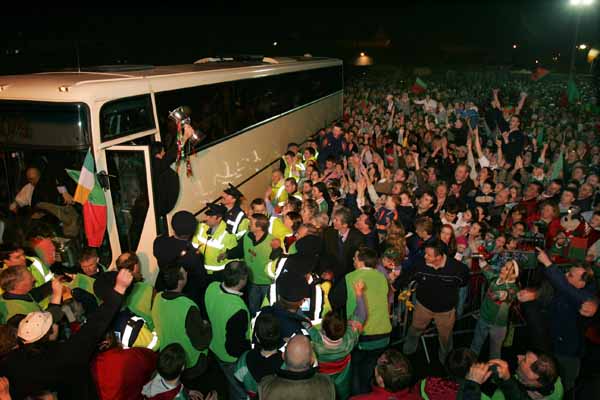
x=514 y=46
x=578 y=4
x=582 y=47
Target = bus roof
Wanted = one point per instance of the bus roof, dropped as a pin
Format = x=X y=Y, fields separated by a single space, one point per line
x=95 y=84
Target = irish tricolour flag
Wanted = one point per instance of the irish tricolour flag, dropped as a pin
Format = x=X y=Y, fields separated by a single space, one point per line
x=90 y=195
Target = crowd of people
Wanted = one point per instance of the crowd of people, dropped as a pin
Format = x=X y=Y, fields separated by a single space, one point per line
x=475 y=200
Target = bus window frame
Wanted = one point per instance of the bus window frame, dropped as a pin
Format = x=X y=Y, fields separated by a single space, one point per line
x=119 y=138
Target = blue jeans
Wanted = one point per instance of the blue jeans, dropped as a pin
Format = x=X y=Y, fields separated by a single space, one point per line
x=463 y=293
x=236 y=390
x=256 y=295
x=497 y=335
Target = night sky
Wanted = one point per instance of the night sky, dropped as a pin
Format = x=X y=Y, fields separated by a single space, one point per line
x=418 y=33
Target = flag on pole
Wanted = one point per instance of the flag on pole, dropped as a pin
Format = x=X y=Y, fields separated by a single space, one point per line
x=539 y=73
x=572 y=91
x=91 y=196
x=557 y=167
x=419 y=86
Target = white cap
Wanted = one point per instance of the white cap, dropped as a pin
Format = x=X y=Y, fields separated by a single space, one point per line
x=34 y=326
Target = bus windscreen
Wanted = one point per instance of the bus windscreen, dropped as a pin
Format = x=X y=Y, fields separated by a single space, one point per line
x=44 y=125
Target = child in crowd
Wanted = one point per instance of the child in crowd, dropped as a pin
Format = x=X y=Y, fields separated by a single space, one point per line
x=386 y=214
x=494 y=312
x=166 y=384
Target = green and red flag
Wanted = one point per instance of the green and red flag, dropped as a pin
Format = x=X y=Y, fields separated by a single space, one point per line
x=539 y=73
x=91 y=196
x=419 y=86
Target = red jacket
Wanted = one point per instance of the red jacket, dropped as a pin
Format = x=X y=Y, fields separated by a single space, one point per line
x=121 y=374
x=379 y=393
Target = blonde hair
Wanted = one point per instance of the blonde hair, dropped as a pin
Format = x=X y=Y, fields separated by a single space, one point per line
x=396 y=238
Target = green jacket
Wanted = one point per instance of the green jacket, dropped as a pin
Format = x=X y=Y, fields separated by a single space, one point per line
x=256 y=257
x=12 y=307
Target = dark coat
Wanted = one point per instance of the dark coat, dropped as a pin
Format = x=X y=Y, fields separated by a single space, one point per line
x=341 y=260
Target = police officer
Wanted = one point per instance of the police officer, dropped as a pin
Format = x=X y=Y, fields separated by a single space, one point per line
x=180 y=249
x=237 y=222
x=212 y=239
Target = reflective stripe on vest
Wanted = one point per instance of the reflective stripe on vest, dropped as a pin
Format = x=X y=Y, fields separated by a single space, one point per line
x=279 y=193
x=235 y=224
x=318 y=306
x=218 y=242
x=271 y=221
x=214 y=267
x=128 y=331
x=37 y=264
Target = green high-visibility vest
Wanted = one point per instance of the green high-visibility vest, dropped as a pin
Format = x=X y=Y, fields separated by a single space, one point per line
x=139 y=302
x=257 y=258
x=169 y=323
x=220 y=307
x=12 y=307
x=212 y=247
x=40 y=271
x=376 y=299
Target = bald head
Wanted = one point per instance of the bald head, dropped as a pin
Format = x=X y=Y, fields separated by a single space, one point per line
x=298 y=354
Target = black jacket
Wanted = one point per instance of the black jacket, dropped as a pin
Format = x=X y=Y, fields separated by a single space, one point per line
x=60 y=366
x=341 y=260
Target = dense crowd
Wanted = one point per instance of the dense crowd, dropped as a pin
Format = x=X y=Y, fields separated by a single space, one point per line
x=474 y=200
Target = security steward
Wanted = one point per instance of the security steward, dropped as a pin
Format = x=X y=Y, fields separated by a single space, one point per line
x=213 y=239
x=236 y=219
x=177 y=319
x=179 y=249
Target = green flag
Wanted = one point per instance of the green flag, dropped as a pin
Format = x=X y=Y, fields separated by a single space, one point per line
x=540 y=138
x=557 y=167
x=572 y=91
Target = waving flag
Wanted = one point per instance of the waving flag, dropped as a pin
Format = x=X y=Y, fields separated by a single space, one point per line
x=419 y=86
x=539 y=73
x=91 y=196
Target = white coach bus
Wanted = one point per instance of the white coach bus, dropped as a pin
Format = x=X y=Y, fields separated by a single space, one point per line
x=248 y=110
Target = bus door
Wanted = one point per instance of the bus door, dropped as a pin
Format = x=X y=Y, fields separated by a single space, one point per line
x=131 y=190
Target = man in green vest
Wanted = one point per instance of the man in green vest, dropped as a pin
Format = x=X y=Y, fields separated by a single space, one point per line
x=230 y=320
x=20 y=297
x=82 y=283
x=255 y=248
x=12 y=255
x=177 y=319
x=213 y=240
x=375 y=336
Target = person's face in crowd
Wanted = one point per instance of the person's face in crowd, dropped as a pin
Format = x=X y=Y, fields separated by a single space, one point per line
x=458 y=124
x=329 y=164
x=431 y=175
x=361 y=223
x=461 y=173
x=306 y=188
x=228 y=200
x=337 y=132
x=524 y=371
x=446 y=234
x=290 y=160
x=516 y=215
x=548 y=213
x=499 y=187
x=302 y=232
x=483 y=175
x=527 y=159
x=461 y=152
x=337 y=223
x=595 y=222
x=431 y=258
x=276 y=177
x=450 y=217
x=290 y=187
x=486 y=189
x=307 y=155
x=512 y=244
x=25 y=283
x=571 y=156
x=514 y=123
x=396 y=188
x=577 y=174
x=33 y=176
x=567 y=198
x=531 y=192
x=213 y=220
x=514 y=194
x=425 y=202
x=405 y=200
x=16 y=259
x=475 y=230
x=399 y=176
x=441 y=191
x=592 y=180
x=575 y=277
x=500 y=242
x=554 y=188
x=306 y=215
x=585 y=191
x=314 y=176
x=317 y=195
x=517 y=230
x=89 y=266
x=259 y=209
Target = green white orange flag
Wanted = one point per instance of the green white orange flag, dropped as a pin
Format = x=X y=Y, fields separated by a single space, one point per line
x=91 y=196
